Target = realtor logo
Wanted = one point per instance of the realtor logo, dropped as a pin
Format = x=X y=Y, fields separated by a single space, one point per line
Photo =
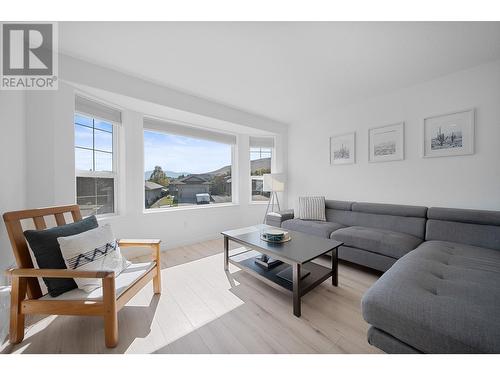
x=29 y=56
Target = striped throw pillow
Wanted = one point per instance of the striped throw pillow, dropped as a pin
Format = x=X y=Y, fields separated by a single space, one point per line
x=312 y=208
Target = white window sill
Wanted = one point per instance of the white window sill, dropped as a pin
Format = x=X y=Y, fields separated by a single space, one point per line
x=259 y=203
x=189 y=208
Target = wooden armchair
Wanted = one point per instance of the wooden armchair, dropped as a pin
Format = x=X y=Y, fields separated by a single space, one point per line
x=26 y=294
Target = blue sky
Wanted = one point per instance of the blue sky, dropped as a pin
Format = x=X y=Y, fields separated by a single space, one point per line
x=181 y=154
x=86 y=139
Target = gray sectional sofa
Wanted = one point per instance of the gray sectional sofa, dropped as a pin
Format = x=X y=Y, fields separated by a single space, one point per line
x=374 y=235
x=441 y=291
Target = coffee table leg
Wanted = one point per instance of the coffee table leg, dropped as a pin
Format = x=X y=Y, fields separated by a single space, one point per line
x=335 y=267
x=226 y=253
x=296 y=290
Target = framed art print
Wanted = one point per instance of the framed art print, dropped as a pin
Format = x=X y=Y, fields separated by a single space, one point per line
x=386 y=143
x=343 y=149
x=450 y=134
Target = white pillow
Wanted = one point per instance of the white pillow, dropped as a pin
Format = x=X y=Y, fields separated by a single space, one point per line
x=312 y=208
x=94 y=250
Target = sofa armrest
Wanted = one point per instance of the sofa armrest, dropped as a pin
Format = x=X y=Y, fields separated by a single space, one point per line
x=276 y=218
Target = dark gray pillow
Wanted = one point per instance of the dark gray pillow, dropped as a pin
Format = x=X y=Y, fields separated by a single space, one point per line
x=48 y=254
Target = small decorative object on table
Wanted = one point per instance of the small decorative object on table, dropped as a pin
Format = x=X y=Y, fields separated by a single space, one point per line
x=267 y=262
x=275 y=236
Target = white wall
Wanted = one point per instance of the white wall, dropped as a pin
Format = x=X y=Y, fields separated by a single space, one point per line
x=12 y=165
x=464 y=181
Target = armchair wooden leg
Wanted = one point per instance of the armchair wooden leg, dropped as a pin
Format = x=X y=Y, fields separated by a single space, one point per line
x=111 y=313
x=18 y=293
x=157 y=277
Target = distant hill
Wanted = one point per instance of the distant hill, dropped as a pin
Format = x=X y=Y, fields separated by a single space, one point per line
x=169 y=174
x=254 y=165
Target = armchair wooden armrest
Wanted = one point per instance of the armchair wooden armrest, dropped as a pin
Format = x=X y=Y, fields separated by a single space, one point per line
x=153 y=244
x=138 y=243
x=58 y=273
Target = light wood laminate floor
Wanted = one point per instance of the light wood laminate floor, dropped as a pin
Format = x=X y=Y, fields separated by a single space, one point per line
x=204 y=310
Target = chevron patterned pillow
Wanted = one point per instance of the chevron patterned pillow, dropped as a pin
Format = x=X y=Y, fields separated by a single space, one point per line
x=94 y=250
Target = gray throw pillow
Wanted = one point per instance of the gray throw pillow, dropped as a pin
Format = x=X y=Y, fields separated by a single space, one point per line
x=312 y=208
x=48 y=254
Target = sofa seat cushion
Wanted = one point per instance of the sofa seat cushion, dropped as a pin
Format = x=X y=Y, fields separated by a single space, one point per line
x=313 y=227
x=122 y=282
x=443 y=297
x=381 y=241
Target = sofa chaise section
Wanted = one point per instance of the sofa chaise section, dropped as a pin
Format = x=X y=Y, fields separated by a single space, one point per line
x=444 y=296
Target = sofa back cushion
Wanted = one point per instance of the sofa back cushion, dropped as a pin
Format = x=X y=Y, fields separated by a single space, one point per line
x=398 y=218
x=472 y=227
x=339 y=212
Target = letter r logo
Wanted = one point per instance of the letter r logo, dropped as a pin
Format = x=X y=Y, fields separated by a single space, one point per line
x=27 y=49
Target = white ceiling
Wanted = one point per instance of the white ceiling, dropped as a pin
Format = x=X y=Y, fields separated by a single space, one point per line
x=286 y=71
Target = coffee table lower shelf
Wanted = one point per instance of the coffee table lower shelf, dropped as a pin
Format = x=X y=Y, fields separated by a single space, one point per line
x=317 y=276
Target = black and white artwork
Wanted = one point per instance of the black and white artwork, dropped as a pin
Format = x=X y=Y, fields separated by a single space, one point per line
x=386 y=143
x=343 y=149
x=450 y=134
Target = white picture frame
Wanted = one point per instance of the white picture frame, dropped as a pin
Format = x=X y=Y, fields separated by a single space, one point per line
x=386 y=143
x=343 y=149
x=450 y=134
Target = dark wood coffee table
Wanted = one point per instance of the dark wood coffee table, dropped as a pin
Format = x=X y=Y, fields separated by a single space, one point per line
x=296 y=253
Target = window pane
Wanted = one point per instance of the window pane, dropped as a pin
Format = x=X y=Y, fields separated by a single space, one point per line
x=86 y=195
x=105 y=195
x=83 y=136
x=83 y=120
x=83 y=159
x=183 y=171
x=103 y=125
x=260 y=164
x=103 y=161
x=103 y=140
x=95 y=195
x=94 y=153
x=258 y=167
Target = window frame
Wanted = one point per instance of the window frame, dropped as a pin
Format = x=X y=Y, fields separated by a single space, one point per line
x=102 y=174
x=234 y=200
x=260 y=178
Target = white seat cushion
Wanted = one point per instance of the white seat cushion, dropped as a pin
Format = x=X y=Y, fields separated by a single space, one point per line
x=125 y=279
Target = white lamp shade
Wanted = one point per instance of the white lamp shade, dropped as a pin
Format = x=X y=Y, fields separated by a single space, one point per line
x=274 y=182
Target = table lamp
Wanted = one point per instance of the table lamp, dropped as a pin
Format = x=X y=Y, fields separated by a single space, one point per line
x=274 y=183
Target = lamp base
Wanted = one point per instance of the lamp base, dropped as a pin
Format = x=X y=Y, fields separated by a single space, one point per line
x=271 y=203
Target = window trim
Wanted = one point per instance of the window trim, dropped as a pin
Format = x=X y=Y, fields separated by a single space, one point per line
x=234 y=199
x=103 y=174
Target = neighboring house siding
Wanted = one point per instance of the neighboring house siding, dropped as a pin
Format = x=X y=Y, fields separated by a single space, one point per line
x=152 y=196
x=187 y=193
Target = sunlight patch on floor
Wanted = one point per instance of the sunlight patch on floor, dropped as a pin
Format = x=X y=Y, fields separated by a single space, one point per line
x=193 y=294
